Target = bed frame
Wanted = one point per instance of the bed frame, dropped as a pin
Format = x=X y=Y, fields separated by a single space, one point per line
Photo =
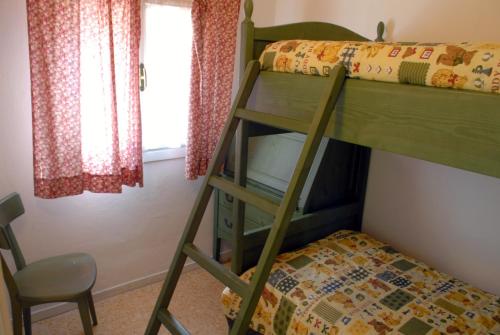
x=451 y=127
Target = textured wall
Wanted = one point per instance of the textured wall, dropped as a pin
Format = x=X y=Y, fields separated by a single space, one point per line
x=444 y=216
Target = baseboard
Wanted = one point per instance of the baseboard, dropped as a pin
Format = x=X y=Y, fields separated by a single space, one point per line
x=56 y=309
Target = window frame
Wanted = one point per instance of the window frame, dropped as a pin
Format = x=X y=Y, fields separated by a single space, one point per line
x=160 y=154
x=163 y=154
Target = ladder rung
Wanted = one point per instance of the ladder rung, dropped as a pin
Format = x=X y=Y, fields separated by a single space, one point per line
x=273 y=120
x=171 y=323
x=217 y=270
x=244 y=195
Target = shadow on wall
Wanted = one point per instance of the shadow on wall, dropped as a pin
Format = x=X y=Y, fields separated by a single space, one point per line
x=420 y=21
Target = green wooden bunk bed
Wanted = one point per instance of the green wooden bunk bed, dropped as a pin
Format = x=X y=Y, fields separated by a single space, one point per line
x=452 y=127
x=455 y=128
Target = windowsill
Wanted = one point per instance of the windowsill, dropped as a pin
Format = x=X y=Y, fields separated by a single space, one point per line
x=157 y=155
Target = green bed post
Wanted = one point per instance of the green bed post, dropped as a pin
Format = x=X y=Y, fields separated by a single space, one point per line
x=247 y=36
x=241 y=147
x=380 y=32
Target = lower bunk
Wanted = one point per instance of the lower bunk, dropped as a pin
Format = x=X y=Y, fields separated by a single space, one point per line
x=350 y=283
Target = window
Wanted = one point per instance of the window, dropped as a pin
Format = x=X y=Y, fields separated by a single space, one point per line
x=166 y=55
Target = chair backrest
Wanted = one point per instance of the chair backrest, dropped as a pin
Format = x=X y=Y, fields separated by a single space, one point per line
x=11 y=207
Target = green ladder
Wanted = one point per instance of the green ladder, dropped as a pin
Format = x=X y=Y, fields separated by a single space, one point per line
x=282 y=212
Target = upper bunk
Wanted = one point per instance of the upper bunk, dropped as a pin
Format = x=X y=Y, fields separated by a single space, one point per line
x=457 y=128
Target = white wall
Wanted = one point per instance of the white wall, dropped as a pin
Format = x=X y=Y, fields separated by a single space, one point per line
x=444 y=216
x=131 y=235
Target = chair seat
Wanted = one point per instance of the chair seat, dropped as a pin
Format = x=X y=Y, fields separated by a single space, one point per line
x=59 y=278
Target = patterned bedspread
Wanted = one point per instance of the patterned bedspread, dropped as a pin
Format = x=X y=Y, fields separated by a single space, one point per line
x=349 y=283
x=460 y=66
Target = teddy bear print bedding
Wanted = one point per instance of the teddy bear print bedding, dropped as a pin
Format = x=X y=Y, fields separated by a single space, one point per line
x=350 y=283
x=460 y=66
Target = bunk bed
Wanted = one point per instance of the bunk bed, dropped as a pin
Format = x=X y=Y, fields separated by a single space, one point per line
x=347 y=282
x=457 y=128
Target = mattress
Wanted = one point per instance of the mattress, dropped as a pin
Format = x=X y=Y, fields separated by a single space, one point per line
x=468 y=66
x=350 y=283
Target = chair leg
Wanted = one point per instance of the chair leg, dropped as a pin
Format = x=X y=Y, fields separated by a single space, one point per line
x=17 y=319
x=92 y=310
x=83 y=307
x=27 y=320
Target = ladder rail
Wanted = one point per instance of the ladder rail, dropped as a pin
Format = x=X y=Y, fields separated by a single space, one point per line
x=202 y=199
x=285 y=212
x=251 y=292
x=239 y=206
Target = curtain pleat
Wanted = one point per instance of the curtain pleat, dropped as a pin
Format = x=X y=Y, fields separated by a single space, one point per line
x=214 y=43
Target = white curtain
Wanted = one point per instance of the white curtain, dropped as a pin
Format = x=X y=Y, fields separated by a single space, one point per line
x=5 y=323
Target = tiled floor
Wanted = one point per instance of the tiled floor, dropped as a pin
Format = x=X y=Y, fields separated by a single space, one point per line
x=195 y=303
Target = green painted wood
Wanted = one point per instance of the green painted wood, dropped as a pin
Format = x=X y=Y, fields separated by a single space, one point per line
x=93 y=313
x=252 y=44
x=244 y=194
x=254 y=40
x=270 y=120
x=241 y=146
x=216 y=243
x=310 y=221
x=54 y=279
x=16 y=308
x=201 y=202
x=450 y=127
x=380 y=32
x=11 y=207
x=217 y=270
x=239 y=207
x=293 y=96
x=302 y=230
x=171 y=323
x=335 y=182
x=247 y=37
x=285 y=212
x=27 y=320
x=65 y=278
x=83 y=309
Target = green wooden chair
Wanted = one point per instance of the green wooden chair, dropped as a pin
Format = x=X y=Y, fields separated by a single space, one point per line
x=65 y=278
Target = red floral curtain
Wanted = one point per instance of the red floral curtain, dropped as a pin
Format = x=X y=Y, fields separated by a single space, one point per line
x=85 y=95
x=214 y=43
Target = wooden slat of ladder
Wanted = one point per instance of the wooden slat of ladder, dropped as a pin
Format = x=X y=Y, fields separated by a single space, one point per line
x=272 y=120
x=244 y=195
x=217 y=270
x=171 y=323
